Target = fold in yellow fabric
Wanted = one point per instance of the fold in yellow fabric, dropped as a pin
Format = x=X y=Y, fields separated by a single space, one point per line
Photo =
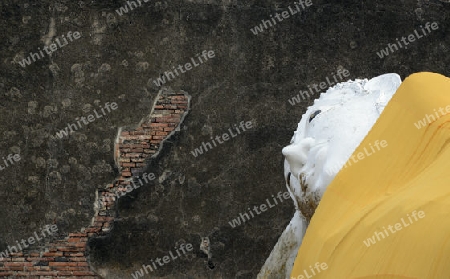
x=387 y=216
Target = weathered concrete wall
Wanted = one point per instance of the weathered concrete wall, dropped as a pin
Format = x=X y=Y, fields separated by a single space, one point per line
x=250 y=78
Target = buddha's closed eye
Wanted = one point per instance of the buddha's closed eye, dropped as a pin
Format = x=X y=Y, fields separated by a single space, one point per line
x=313 y=115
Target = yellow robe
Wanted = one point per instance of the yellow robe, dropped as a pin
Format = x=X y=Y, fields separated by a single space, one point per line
x=398 y=196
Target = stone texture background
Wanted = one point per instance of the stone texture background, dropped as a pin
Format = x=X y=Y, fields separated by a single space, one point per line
x=250 y=78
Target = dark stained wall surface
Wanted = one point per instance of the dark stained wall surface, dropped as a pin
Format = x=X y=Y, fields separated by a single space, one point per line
x=250 y=78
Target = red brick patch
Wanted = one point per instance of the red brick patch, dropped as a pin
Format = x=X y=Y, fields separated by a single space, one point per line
x=66 y=258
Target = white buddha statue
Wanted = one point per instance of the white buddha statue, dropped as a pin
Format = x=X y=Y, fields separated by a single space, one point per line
x=328 y=133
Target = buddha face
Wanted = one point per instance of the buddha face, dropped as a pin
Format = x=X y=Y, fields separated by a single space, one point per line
x=328 y=133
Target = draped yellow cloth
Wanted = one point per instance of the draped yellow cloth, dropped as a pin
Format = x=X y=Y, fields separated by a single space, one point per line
x=398 y=196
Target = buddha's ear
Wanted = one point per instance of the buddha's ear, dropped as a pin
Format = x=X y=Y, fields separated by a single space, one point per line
x=386 y=85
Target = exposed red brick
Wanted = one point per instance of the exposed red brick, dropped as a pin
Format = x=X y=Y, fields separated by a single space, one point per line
x=68 y=249
x=132 y=154
x=81 y=273
x=78 y=259
x=16 y=268
x=72 y=254
x=158 y=137
x=77 y=239
x=66 y=258
x=21 y=264
x=138 y=133
x=53 y=254
x=104 y=218
x=162 y=133
x=158 y=125
x=46 y=273
x=77 y=234
x=170 y=106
